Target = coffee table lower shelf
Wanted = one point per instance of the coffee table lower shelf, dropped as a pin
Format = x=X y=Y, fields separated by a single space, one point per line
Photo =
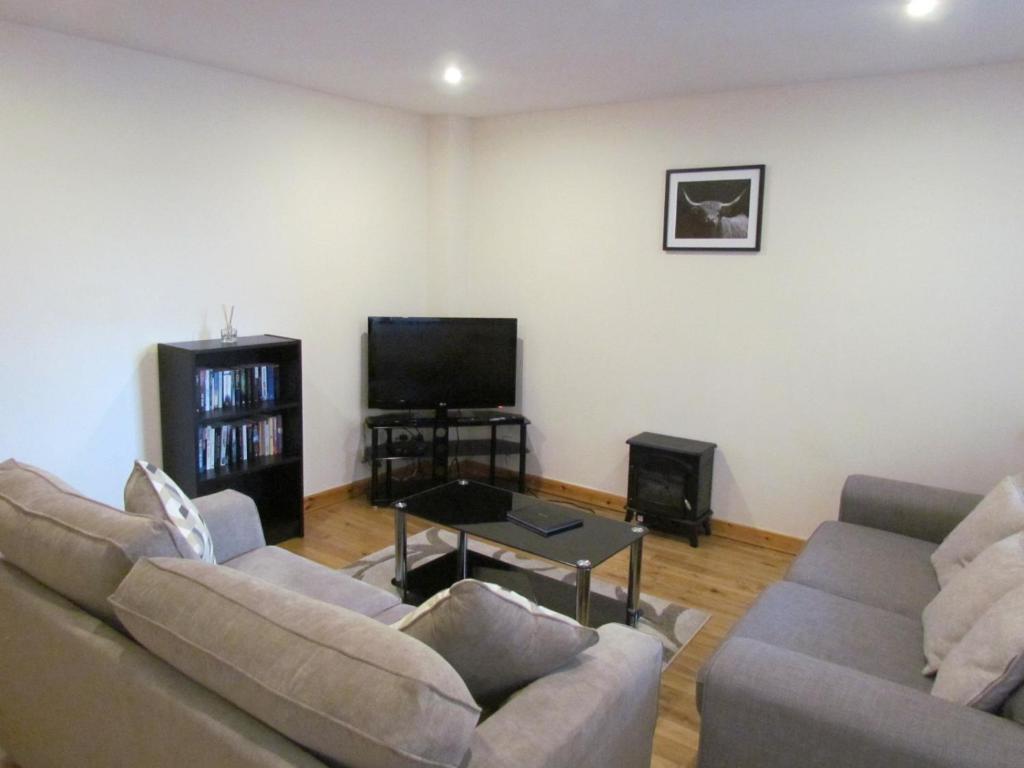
x=427 y=580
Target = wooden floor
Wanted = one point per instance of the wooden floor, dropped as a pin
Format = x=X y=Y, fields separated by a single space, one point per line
x=722 y=577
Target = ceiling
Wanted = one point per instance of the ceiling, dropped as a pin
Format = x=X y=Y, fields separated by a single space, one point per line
x=524 y=55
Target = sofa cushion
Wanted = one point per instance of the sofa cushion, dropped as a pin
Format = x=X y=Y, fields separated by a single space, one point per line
x=838 y=630
x=77 y=547
x=878 y=568
x=394 y=613
x=338 y=683
x=151 y=491
x=288 y=570
x=75 y=693
x=987 y=666
x=998 y=515
x=966 y=597
x=496 y=639
x=1014 y=706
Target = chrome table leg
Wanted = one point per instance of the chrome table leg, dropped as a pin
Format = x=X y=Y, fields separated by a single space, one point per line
x=400 y=555
x=463 y=557
x=583 y=591
x=636 y=553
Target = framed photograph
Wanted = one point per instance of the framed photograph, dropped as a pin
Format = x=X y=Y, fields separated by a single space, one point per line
x=714 y=209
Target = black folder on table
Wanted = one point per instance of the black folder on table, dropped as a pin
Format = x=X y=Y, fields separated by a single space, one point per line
x=545 y=520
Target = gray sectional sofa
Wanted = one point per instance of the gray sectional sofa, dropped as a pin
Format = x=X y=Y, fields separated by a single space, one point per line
x=75 y=689
x=825 y=668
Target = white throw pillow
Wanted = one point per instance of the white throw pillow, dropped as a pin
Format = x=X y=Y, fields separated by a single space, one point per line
x=987 y=666
x=497 y=640
x=149 y=491
x=966 y=597
x=998 y=515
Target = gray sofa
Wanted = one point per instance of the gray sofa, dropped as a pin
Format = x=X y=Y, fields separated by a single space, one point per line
x=75 y=690
x=825 y=668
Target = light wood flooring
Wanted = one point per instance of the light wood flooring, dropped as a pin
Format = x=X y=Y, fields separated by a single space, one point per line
x=722 y=577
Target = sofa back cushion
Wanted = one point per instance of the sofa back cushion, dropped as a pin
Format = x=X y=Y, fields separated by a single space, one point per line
x=77 y=547
x=966 y=597
x=338 y=683
x=985 y=668
x=998 y=515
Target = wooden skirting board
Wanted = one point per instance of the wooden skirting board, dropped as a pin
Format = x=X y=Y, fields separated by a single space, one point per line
x=334 y=495
x=779 y=542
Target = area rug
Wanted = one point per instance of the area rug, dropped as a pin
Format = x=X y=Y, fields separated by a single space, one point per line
x=673 y=625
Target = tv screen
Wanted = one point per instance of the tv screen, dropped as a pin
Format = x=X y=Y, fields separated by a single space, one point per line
x=441 y=362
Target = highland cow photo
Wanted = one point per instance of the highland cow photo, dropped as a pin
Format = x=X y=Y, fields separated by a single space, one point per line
x=714 y=209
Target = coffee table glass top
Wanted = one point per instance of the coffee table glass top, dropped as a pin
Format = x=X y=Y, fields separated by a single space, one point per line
x=482 y=510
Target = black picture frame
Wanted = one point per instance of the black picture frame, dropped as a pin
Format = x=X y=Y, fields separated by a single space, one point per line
x=713 y=209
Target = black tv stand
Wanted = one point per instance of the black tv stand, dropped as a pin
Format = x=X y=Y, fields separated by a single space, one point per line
x=400 y=442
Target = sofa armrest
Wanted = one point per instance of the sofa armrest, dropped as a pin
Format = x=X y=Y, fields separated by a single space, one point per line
x=599 y=710
x=234 y=523
x=920 y=511
x=774 y=708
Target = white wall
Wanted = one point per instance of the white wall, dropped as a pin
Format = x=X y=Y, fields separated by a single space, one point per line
x=449 y=154
x=138 y=194
x=879 y=329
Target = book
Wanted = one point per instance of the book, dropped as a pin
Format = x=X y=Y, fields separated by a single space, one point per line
x=246 y=386
x=229 y=444
x=545 y=519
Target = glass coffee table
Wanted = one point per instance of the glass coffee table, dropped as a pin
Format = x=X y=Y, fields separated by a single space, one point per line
x=481 y=511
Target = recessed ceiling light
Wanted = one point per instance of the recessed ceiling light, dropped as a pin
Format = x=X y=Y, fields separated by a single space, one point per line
x=452 y=75
x=919 y=8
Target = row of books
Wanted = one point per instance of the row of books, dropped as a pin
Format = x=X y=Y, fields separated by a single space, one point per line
x=242 y=387
x=226 y=445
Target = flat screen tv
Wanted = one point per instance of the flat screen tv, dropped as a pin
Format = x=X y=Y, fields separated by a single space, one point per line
x=441 y=362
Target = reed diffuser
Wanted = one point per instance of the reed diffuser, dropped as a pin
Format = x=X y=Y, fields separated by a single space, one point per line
x=228 y=334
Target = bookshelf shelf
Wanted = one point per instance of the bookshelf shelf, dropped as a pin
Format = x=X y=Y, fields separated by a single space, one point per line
x=255 y=448
x=245 y=468
x=237 y=414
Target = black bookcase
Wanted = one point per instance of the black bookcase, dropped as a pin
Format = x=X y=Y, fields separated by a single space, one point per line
x=273 y=481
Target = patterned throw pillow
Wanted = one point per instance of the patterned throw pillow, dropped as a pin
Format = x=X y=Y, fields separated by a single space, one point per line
x=149 y=491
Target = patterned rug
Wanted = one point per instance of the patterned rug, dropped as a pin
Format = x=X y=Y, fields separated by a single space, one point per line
x=673 y=625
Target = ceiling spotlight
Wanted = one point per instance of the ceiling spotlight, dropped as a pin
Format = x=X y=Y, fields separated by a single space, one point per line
x=453 y=75
x=919 y=8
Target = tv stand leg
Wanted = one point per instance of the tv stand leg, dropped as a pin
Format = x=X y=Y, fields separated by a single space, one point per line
x=494 y=452
x=522 y=458
x=374 y=468
x=387 y=468
x=439 y=442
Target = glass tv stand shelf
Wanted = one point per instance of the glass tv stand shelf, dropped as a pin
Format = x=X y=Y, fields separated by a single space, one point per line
x=410 y=452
